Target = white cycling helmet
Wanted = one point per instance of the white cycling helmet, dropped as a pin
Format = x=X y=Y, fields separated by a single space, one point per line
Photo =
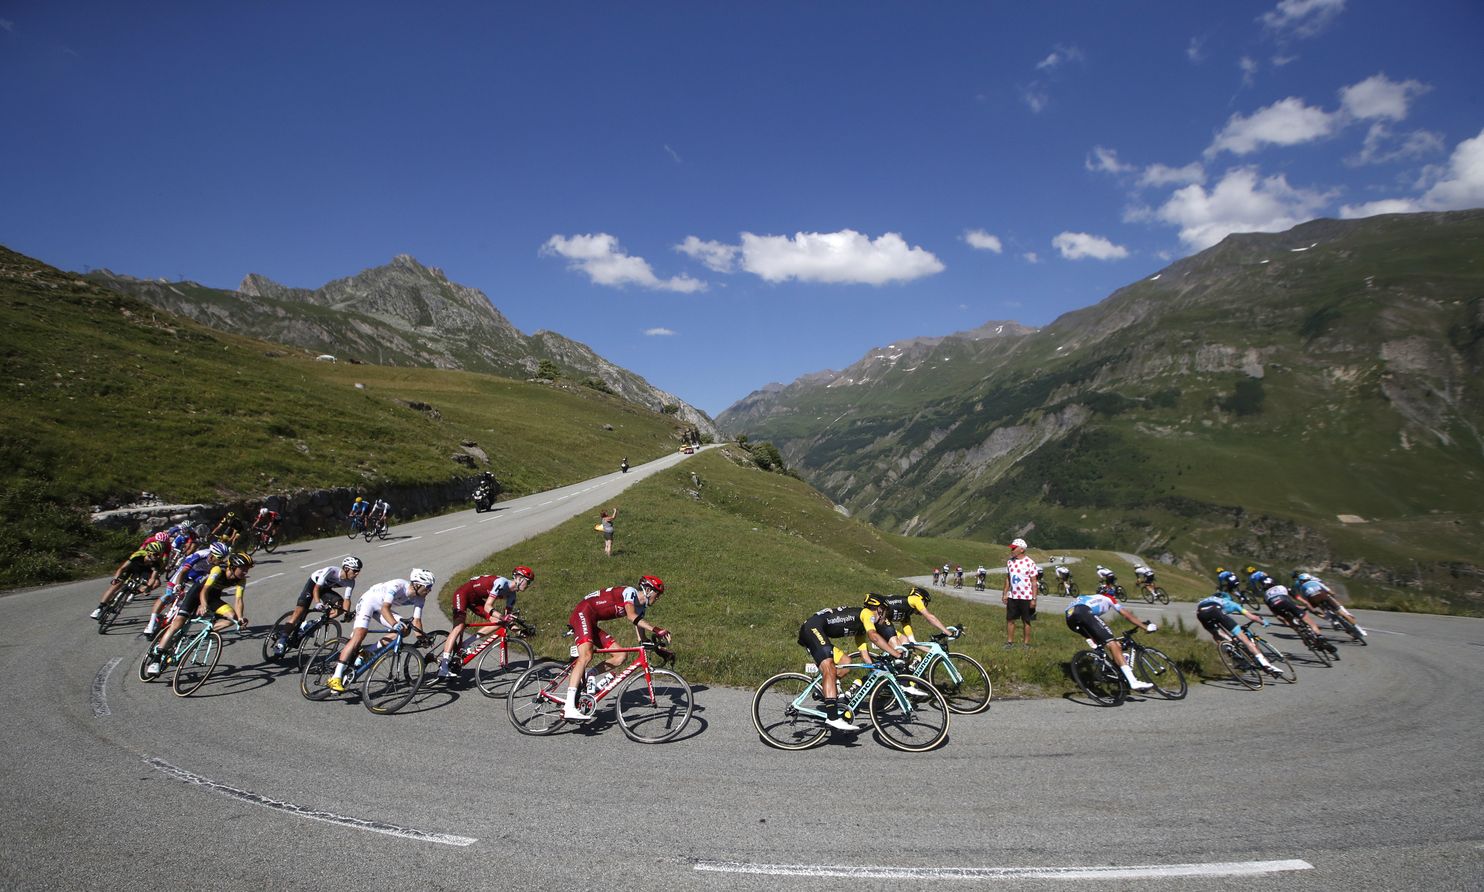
x=421 y=577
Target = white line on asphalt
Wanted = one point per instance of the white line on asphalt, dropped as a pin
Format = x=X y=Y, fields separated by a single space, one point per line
x=526 y=508
x=547 y=502
x=300 y=811
x=1145 y=871
x=488 y=519
x=451 y=529
x=99 y=696
x=1384 y=631
x=263 y=578
x=400 y=541
x=317 y=563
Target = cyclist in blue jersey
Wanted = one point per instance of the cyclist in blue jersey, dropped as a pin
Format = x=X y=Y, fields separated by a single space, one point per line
x=192 y=568
x=1227 y=581
x=1313 y=589
x=1218 y=614
x=1084 y=617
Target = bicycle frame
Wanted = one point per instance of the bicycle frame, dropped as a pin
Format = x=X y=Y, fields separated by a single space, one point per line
x=598 y=695
x=933 y=653
x=501 y=633
x=394 y=645
x=877 y=677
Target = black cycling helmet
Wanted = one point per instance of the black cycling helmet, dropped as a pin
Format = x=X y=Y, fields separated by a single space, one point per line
x=874 y=601
x=921 y=593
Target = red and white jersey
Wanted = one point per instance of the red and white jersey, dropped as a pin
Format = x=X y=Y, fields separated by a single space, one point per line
x=1021 y=573
x=609 y=603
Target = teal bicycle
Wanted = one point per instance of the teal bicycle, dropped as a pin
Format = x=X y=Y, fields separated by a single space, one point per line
x=389 y=675
x=961 y=679
x=907 y=712
x=194 y=652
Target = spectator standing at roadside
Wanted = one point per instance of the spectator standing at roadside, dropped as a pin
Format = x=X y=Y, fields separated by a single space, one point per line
x=605 y=525
x=1019 y=596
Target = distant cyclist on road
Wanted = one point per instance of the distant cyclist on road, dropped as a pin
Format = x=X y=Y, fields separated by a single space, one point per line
x=376 y=518
x=1292 y=609
x=1227 y=582
x=267 y=522
x=1217 y=613
x=1313 y=589
x=229 y=529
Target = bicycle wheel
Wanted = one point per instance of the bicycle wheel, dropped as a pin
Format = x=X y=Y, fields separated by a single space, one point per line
x=197 y=662
x=325 y=632
x=111 y=609
x=270 y=545
x=392 y=681
x=368 y=533
x=1161 y=596
x=778 y=722
x=318 y=670
x=1320 y=652
x=1277 y=659
x=535 y=702
x=355 y=530
x=963 y=682
x=1242 y=666
x=280 y=626
x=915 y=724
x=1098 y=678
x=1148 y=594
x=1071 y=589
x=498 y=667
x=1153 y=666
x=1349 y=628
x=656 y=711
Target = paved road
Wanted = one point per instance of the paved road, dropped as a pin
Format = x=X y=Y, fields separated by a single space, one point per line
x=1367 y=775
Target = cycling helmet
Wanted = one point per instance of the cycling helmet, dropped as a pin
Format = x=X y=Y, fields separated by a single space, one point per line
x=1267 y=582
x=525 y=571
x=359 y=500
x=1249 y=570
x=1220 y=570
x=873 y=601
x=421 y=577
x=219 y=550
x=653 y=582
x=1301 y=577
x=351 y=564
x=239 y=561
x=231 y=515
x=920 y=592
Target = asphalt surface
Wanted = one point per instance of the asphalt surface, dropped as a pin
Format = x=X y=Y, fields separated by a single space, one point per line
x=1367 y=775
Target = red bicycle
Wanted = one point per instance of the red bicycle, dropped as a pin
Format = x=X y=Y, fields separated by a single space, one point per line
x=652 y=705
x=499 y=657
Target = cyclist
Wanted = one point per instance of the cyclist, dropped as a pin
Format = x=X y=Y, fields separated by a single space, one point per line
x=1313 y=589
x=379 y=600
x=936 y=571
x=1291 y=608
x=901 y=608
x=1145 y=578
x=202 y=595
x=267 y=523
x=377 y=516
x=192 y=569
x=1107 y=582
x=229 y=529
x=958 y=576
x=150 y=557
x=604 y=604
x=864 y=625
x=979 y=576
x=320 y=589
x=358 y=511
x=1064 y=578
x=1084 y=617
x=1254 y=580
x=1227 y=581
x=1217 y=614
x=479 y=595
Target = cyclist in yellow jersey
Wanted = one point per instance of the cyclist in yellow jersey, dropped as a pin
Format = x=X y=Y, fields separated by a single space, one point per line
x=901 y=608
x=207 y=595
x=864 y=624
x=151 y=557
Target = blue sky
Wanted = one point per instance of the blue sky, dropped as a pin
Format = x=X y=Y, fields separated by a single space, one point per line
x=722 y=195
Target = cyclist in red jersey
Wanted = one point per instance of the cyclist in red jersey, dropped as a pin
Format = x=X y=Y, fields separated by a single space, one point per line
x=605 y=604
x=479 y=595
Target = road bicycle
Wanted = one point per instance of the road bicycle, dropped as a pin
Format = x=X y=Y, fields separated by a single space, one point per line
x=194 y=652
x=961 y=679
x=134 y=584
x=499 y=657
x=318 y=626
x=1275 y=656
x=1068 y=587
x=1339 y=623
x=264 y=539
x=1322 y=648
x=906 y=711
x=652 y=705
x=1098 y=675
x=356 y=525
x=376 y=530
x=389 y=674
x=1247 y=599
x=1153 y=593
x=1040 y=587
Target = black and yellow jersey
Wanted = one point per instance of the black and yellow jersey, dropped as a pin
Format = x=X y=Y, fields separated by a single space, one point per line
x=901 y=608
x=845 y=622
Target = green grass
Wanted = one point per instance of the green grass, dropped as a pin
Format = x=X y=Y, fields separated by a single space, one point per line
x=107 y=396
x=745 y=566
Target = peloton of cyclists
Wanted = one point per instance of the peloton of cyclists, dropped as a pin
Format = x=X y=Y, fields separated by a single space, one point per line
x=863 y=624
x=479 y=595
x=1291 y=608
x=192 y=569
x=378 y=601
x=1217 y=613
x=625 y=601
x=320 y=588
x=1084 y=617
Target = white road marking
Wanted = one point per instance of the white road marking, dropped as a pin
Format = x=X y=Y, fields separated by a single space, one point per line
x=262 y=579
x=99 y=696
x=451 y=529
x=400 y=541
x=1144 y=871
x=526 y=508
x=317 y=563
x=547 y=502
x=488 y=519
x=1383 y=631
x=313 y=814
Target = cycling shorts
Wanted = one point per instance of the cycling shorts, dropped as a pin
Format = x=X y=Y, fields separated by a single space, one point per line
x=464 y=601
x=812 y=638
x=1215 y=619
x=1286 y=607
x=328 y=597
x=1084 y=622
x=584 y=625
x=138 y=566
x=192 y=601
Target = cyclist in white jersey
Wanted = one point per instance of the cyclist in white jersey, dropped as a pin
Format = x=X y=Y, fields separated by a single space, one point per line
x=1084 y=617
x=320 y=588
x=379 y=601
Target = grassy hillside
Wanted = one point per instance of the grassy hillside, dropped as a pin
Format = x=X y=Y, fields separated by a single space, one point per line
x=108 y=396
x=746 y=564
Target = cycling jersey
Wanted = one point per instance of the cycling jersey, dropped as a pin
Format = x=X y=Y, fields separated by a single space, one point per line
x=392 y=593
x=1063 y=572
x=150 y=558
x=604 y=604
x=1227 y=605
x=1215 y=613
x=1255 y=580
x=1098 y=604
x=1280 y=603
x=1084 y=617
x=475 y=593
x=195 y=566
x=1228 y=581
x=325 y=578
x=1106 y=575
x=1315 y=590
x=359 y=508
x=837 y=622
x=211 y=589
x=1144 y=573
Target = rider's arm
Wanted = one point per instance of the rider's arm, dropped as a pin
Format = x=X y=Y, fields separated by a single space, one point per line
x=927 y=615
x=1128 y=615
x=240 y=607
x=883 y=644
x=640 y=623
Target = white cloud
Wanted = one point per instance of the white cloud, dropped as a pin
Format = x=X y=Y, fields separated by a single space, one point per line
x=717 y=256
x=1060 y=56
x=658 y=332
x=1077 y=245
x=846 y=257
x=1164 y=175
x=605 y=263
x=1380 y=97
x=1241 y=202
x=1105 y=161
x=1382 y=146
x=1301 y=18
x=978 y=238
x=1036 y=97
x=1459 y=186
x=1287 y=122
x=1031 y=257
x=1195 y=51
x=674 y=154
x=1249 y=69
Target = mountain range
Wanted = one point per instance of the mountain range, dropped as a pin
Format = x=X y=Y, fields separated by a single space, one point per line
x=402 y=313
x=1307 y=399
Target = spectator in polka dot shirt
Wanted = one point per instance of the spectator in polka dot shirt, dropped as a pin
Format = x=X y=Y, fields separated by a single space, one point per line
x=1019 y=596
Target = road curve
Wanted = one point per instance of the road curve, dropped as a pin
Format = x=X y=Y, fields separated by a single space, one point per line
x=1367 y=775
